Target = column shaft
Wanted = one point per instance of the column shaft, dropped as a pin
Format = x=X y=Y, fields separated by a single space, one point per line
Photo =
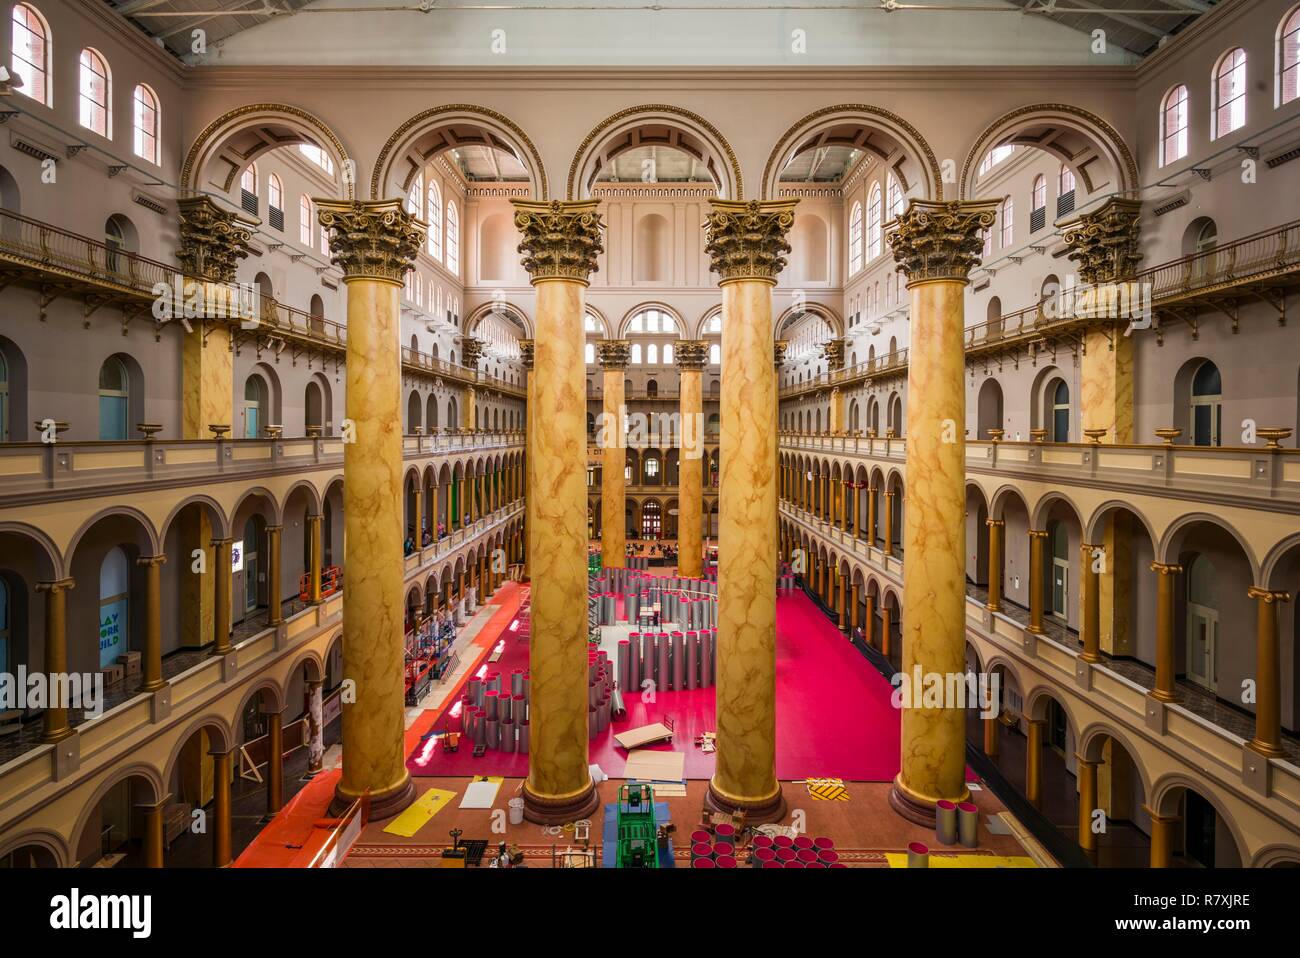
x=274 y=614
x=1268 y=681
x=222 y=769
x=997 y=529
x=1091 y=601
x=221 y=597
x=152 y=658
x=1165 y=669
x=1036 y=576
x=56 y=654
x=690 y=477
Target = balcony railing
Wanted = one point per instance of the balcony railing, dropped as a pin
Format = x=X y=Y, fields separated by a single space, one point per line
x=40 y=246
x=1250 y=259
x=35 y=467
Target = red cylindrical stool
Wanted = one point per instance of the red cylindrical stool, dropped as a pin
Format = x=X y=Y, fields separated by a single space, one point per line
x=700 y=835
x=763 y=857
x=828 y=856
x=822 y=843
x=723 y=848
x=702 y=863
x=725 y=861
x=803 y=841
x=724 y=833
x=785 y=855
x=773 y=865
x=806 y=855
x=761 y=841
x=701 y=850
x=783 y=841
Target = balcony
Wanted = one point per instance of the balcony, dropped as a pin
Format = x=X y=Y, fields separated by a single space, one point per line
x=61 y=263
x=1262 y=264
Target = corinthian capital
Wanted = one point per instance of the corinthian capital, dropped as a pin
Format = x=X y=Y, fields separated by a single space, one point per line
x=691 y=353
x=747 y=239
x=374 y=239
x=471 y=350
x=526 y=352
x=833 y=353
x=613 y=353
x=1104 y=242
x=561 y=240
x=213 y=240
x=940 y=240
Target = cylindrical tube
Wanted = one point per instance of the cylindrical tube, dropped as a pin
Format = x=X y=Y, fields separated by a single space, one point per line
x=491 y=705
x=519 y=708
x=507 y=732
x=633 y=662
x=664 y=677
x=648 y=659
x=617 y=709
x=679 y=661
x=522 y=745
x=591 y=722
x=945 y=822
x=517 y=682
x=918 y=855
x=492 y=737
x=706 y=658
x=968 y=824
x=692 y=659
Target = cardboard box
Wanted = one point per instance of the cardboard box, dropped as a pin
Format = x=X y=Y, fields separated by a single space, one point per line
x=112 y=673
x=130 y=662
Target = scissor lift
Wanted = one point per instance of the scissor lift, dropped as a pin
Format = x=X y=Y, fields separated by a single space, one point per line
x=638 y=845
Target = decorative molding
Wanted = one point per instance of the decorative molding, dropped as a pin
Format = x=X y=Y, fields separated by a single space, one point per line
x=1104 y=242
x=371 y=240
x=940 y=240
x=561 y=240
x=746 y=240
x=613 y=353
x=212 y=240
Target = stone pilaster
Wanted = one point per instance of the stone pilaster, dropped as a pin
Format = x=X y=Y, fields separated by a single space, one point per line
x=691 y=356
x=747 y=244
x=560 y=243
x=935 y=245
x=374 y=243
x=526 y=355
x=614 y=355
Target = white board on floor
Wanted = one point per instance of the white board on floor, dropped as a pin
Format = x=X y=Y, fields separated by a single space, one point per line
x=480 y=795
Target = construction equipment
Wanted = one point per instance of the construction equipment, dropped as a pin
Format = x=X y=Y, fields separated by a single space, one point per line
x=637 y=844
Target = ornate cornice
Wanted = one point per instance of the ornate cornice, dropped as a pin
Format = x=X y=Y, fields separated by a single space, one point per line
x=1104 y=242
x=213 y=240
x=373 y=239
x=691 y=353
x=561 y=240
x=613 y=353
x=940 y=240
x=746 y=240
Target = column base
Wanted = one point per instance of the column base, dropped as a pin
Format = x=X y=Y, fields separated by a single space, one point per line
x=1266 y=749
x=915 y=808
x=1162 y=696
x=757 y=813
x=541 y=810
x=382 y=806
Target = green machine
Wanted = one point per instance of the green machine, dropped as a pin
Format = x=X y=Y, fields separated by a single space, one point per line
x=638 y=845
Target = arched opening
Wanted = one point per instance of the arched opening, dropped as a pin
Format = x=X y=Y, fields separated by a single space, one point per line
x=988 y=409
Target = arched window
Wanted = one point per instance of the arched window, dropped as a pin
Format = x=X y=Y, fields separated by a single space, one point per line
x=304 y=220
x=1008 y=222
x=255 y=406
x=1230 y=93
x=94 y=93
x=652 y=354
x=715 y=354
x=715 y=324
x=1038 y=204
x=275 y=201
x=1064 y=191
x=636 y=353
x=453 y=238
x=114 y=399
x=1288 y=58
x=668 y=354
x=995 y=156
x=895 y=198
x=145 y=123
x=31 y=53
x=1060 y=412
x=434 y=215
x=589 y=353
x=248 y=190
x=873 y=224
x=114 y=606
x=414 y=195
x=119 y=237
x=1207 y=405
x=317 y=156
x=1173 y=125
x=855 y=239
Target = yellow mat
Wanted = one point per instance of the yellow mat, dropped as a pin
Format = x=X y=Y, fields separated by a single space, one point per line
x=828 y=789
x=419 y=812
x=897 y=860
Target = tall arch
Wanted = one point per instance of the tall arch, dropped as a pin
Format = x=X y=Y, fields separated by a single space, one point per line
x=656 y=124
x=441 y=128
x=887 y=135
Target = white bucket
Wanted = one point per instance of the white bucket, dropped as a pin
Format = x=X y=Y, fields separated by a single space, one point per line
x=516 y=811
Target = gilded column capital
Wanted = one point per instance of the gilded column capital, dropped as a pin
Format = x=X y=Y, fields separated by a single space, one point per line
x=213 y=240
x=526 y=352
x=56 y=585
x=691 y=353
x=613 y=353
x=1104 y=242
x=471 y=351
x=995 y=523
x=1038 y=533
x=1268 y=596
x=746 y=239
x=833 y=353
x=561 y=240
x=940 y=240
x=373 y=239
x=1166 y=568
x=146 y=561
x=778 y=352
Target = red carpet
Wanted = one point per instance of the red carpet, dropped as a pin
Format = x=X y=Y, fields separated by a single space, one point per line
x=834 y=718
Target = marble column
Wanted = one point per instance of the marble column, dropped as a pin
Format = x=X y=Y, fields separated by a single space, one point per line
x=527 y=354
x=274 y=610
x=1090 y=581
x=857 y=511
x=315 y=547
x=315 y=727
x=152 y=838
x=1165 y=668
x=690 y=355
x=997 y=531
x=935 y=245
x=223 y=763
x=853 y=610
x=746 y=241
x=1086 y=773
x=1162 y=838
x=1037 y=539
x=613 y=355
x=560 y=243
x=886 y=628
x=869 y=625
x=374 y=243
x=846 y=504
x=1034 y=761
x=991 y=737
x=842 y=595
x=1268 y=680
x=151 y=660
x=871 y=515
x=221 y=597
x=56 y=652
x=212 y=243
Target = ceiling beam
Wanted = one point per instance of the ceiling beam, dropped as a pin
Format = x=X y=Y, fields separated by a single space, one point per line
x=1119 y=18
